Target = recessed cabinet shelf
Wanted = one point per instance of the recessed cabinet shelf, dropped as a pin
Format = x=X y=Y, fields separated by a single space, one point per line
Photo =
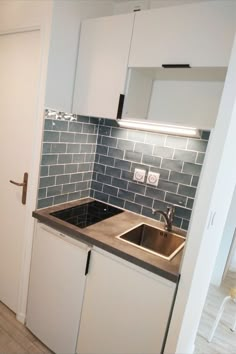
x=182 y=96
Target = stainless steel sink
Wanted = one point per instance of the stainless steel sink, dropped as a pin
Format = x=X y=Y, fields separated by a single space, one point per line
x=156 y=241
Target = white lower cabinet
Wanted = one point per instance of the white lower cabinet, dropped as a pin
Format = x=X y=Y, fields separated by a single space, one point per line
x=125 y=308
x=56 y=289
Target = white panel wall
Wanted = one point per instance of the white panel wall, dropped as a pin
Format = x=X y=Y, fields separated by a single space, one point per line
x=232 y=266
x=226 y=244
x=213 y=200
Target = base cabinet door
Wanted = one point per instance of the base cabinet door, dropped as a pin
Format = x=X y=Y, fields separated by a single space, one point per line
x=56 y=289
x=125 y=308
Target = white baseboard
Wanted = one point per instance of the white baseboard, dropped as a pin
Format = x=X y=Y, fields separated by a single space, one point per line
x=21 y=317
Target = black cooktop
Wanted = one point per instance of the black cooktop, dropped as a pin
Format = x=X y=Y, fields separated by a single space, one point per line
x=87 y=214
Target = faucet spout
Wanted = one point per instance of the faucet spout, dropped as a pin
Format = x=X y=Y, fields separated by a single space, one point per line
x=168 y=216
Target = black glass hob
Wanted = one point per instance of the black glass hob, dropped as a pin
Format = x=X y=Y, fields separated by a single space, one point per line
x=87 y=214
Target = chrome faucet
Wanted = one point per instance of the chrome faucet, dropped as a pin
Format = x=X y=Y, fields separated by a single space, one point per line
x=168 y=216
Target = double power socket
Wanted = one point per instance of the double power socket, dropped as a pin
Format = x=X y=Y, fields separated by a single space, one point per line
x=152 y=177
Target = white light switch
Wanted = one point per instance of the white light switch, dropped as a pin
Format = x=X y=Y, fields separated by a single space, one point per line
x=139 y=175
x=153 y=178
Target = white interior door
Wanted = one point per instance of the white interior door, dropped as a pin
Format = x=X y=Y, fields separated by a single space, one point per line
x=19 y=77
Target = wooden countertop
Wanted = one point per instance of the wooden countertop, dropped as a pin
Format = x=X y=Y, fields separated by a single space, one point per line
x=103 y=234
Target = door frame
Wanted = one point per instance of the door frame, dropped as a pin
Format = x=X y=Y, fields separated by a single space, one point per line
x=44 y=32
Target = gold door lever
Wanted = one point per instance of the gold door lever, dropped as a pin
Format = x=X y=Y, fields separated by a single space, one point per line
x=24 y=185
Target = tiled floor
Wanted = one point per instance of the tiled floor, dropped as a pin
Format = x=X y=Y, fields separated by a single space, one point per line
x=224 y=340
x=15 y=338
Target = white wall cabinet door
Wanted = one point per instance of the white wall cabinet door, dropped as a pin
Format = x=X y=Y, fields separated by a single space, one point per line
x=125 y=308
x=63 y=52
x=56 y=289
x=199 y=34
x=102 y=65
x=63 y=55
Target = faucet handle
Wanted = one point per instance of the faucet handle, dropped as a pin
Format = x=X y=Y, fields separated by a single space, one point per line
x=171 y=211
x=171 y=208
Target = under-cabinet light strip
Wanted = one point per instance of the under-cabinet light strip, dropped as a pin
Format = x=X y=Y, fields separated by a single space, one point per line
x=160 y=128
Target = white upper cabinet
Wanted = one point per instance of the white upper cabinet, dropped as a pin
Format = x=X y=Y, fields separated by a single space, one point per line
x=102 y=65
x=62 y=55
x=63 y=51
x=199 y=34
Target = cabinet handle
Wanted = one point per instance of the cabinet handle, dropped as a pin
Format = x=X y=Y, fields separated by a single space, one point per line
x=178 y=66
x=120 y=106
x=87 y=263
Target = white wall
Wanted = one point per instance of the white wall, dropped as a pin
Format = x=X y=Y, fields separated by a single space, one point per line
x=22 y=14
x=225 y=244
x=211 y=207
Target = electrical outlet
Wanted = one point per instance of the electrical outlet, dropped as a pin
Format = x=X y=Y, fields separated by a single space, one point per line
x=139 y=175
x=153 y=178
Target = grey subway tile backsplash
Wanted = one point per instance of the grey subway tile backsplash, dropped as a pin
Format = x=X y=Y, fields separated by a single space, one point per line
x=179 y=169
x=67 y=164
x=116 y=201
x=55 y=190
x=126 y=195
x=192 y=169
x=175 y=199
x=136 y=188
x=48 y=159
x=94 y=157
x=67 y=137
x=50 y=136
x=155 y=139
x=205 y=135
x=183 y=155
x=197 y=145
x=112 y=171
x=57 y=148
x=145 y=201
x=186 y=190
x=56 y=170
x=136 y=208
x=155 y=193
x=117 y=153
x=110 y=190
x=133 y=156
x=200 y=158
x=195 y=180
x=176 y=142
x=172 y=165
x=163 y=151
x=122 y=164
x=151 y=160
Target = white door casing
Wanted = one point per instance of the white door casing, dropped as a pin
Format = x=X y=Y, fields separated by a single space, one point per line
x=19 y=73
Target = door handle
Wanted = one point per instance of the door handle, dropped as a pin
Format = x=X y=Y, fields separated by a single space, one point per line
x=23 y=184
